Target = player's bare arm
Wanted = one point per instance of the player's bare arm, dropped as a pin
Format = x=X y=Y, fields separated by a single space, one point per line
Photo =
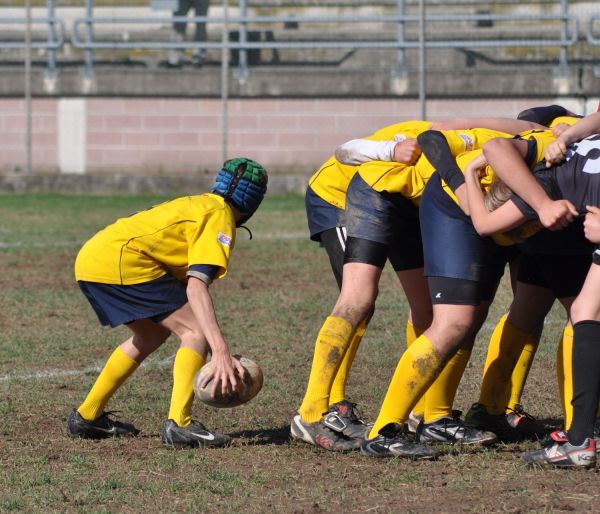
x=508 y=125
x=485 y=222
x=507 y=158
x=224 y=365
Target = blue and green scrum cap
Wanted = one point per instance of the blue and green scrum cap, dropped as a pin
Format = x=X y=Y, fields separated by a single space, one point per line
x=243 y=183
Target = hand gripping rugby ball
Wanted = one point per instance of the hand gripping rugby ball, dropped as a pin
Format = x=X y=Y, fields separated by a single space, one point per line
x=248 y=389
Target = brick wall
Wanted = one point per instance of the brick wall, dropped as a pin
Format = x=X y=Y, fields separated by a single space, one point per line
x=13 y=155
x=175 y=136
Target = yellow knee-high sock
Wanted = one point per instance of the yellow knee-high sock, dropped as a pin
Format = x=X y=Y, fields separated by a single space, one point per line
x=412 y=332
x=564 y=373
x=417 y=369
x=331 y=345
x=439 y=398
x=505 y=348
x=521 y=372
x=338 y=389
x=187 y=364
x=117 y=369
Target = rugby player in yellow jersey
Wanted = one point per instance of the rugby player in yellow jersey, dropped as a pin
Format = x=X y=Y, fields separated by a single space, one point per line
x=397 y=238
x=325 y=203
x=519 y=331
x=151 y=272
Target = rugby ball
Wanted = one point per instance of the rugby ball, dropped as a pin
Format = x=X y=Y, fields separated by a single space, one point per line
x=249 y=388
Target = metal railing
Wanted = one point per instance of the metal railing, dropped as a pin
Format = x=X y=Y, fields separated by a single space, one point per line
x=83 y=37
x=55 y=38
x=567 y=37
x=590 y=32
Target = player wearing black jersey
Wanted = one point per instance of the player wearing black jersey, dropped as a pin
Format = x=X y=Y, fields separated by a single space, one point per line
x=557 y=195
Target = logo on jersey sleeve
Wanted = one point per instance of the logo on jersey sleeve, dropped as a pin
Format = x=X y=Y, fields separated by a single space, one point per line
x=468 y=141
x=224 y=239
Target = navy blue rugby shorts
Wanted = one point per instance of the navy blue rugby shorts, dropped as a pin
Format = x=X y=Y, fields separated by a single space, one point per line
x=388 y=219
x=321 y=215
x=118 y=305
x=454 y=250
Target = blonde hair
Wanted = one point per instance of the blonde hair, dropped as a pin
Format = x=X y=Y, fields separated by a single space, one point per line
x=498 y=194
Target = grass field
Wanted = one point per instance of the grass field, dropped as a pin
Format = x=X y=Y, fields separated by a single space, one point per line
x=270 y=307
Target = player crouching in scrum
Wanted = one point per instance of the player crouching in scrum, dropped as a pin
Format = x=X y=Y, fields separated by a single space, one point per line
x=151 y=272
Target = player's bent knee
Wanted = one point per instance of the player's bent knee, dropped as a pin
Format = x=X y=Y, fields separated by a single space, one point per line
x=192 y=337
x=449 y=330
x=354 y=313
x=582 y=310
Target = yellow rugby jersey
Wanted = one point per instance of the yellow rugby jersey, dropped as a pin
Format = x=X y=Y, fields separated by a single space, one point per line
x=410 y=180
x=330 y=181
x=167 y=238
x=542 y=138
x=569 y=120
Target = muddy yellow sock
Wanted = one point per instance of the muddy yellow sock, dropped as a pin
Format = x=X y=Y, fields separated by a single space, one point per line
x=417 y=369
x=187 y=364
x=117 y=369
x=439 y=398
x=564 y=373
x=412 y=333
x=521 y=372
x=338 y=389
x=331 y=345
x=505 y=348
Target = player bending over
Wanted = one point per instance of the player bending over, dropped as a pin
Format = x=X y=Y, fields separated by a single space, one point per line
x=151 y=272
x=382 y=222
x=325 y=203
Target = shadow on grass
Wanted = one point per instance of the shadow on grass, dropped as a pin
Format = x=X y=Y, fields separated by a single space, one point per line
x=552 y=423
x=276 y=436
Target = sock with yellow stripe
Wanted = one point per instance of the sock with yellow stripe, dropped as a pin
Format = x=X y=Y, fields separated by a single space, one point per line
x=505 y=348
x=521 y=372
x=187 y=363
x=117 y=369
x=416 y=371
x=439 y=398
x=412 y=333
x=331 y=345
x=564 y=373
x=338 y=389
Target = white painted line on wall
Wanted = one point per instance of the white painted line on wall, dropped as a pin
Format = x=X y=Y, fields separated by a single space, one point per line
x=71 y=137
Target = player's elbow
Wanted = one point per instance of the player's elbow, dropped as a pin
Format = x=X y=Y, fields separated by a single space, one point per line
x=493 y=146
x=484 y=231
x=481 y=226
x=430 y=141
x=195 y=286
x=346 y=153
